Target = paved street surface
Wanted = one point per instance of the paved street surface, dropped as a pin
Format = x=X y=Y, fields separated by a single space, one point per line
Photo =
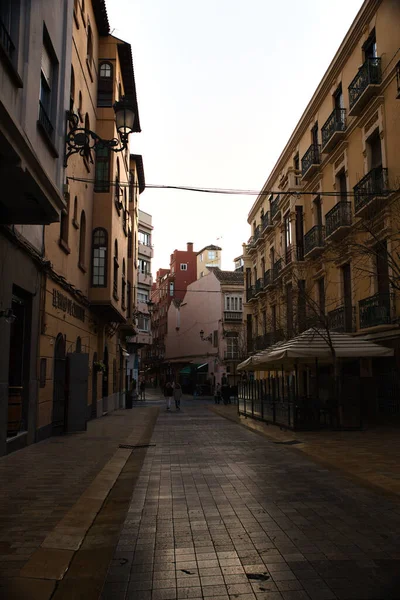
x=221 y=512
x=193 y=505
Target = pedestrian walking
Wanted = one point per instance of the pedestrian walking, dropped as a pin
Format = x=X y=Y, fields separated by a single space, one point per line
x=217 y=394
x=177 y=395
x=142 y=389
x=168 y=393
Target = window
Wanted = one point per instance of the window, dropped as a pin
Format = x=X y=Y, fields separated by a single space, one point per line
x=99 y=258
x=369 y=47
x=296 y=162
x=129 y=244
x=116 y=267
x=374 y=151
x=288 y=234
x=89 y=47
x=86 y=153
x=118 y=190
x=201 y=257
x=144 y=238
x=341 y=185
x=64 y=224
x=143 y=323
x=123 y=285
x=72 y=90
x=171 y=288
x=102 y=171
x=75 y=215
x=143 y=296
x=48 y=86
x=82 y=241
x=144 y=266
x=184 y=266
x=105 y=85
x=212 y=255
x=234 y=303
x=9 y=17
x=80 y=104
x=128 y=299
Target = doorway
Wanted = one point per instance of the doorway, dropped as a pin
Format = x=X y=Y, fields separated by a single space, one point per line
x=59 y=391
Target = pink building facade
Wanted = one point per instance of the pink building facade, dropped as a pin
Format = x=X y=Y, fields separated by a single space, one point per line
x=205 y=330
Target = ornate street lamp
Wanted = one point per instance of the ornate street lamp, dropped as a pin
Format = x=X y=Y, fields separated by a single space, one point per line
x=82 y=141
x=150 y=306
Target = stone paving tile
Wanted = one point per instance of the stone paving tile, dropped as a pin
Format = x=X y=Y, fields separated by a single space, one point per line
x=216 y=503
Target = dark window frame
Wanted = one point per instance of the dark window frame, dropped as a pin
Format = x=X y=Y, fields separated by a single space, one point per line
x=104 y=259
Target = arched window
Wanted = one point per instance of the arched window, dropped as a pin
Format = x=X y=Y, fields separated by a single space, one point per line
x=99 y=257
x=106 y=70
x=82 y=241
x=72 y=90
x=116 y=267
x=105 y=85
x=123 y=285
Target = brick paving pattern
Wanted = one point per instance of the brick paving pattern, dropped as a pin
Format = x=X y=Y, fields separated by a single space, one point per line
x=220 y=512
x=40 y=483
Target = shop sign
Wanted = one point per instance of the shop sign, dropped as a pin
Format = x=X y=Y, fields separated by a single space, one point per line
x=69 y=306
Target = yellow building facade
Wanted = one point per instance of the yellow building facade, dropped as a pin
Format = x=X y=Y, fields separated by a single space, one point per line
x=87 y=289
x=324 y=247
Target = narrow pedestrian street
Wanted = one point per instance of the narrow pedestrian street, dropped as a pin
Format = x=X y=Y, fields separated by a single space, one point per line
x=198 y=507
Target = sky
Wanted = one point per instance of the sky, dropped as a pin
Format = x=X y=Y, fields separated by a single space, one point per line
x=221 y=84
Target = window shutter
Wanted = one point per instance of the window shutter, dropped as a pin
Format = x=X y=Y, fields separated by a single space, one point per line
x=46 y=65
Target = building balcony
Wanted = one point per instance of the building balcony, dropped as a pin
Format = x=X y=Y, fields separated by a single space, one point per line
x=145 y=278
x=333 y=130
x=266 y=222
x=311 y=161
x=275 y=208
x=277 y=269
x=268 y=278
x=145 y=250
x=257 y=235
x=364 y=85
x=375 y=310
x=373 y=187
x=143 y=338
x=232 y=316
x=293 y=254
x=294 y=179
x=338 y=220
x=314 y=241
x=342 y=319
x=142 y=307
x=250 y=293
x=259 y=285
x=251 y=245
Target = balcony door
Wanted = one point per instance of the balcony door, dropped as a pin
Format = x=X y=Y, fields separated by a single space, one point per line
x=314 y=135
x=339 y=98
x=347 y=298
x=288 y=238
x=299 y=233
x=369 y=48
x=318 y=211
x=382 y=270
x=375 y=151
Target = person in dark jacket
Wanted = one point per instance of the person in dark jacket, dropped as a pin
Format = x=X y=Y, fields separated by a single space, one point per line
x=168 y=393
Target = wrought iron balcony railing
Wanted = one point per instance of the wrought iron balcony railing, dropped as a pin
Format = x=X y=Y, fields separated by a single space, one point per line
x=342 y=319
x=256 y=234
x=338 y=216
x=6 y=41
x=368 y=74
x=311 y=158
x=259 y=285
x=267 y=278
x=314 y=239
x=233 y=316
x=277 y=268
x=293 y=253
x=335 y=123
x=375 y=310
x=265 y=221
x=374 y=184
x=275 y=207
x=45 y=121
x=250 y=293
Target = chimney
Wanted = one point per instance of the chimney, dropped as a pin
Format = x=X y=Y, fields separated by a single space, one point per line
x=190 y=246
